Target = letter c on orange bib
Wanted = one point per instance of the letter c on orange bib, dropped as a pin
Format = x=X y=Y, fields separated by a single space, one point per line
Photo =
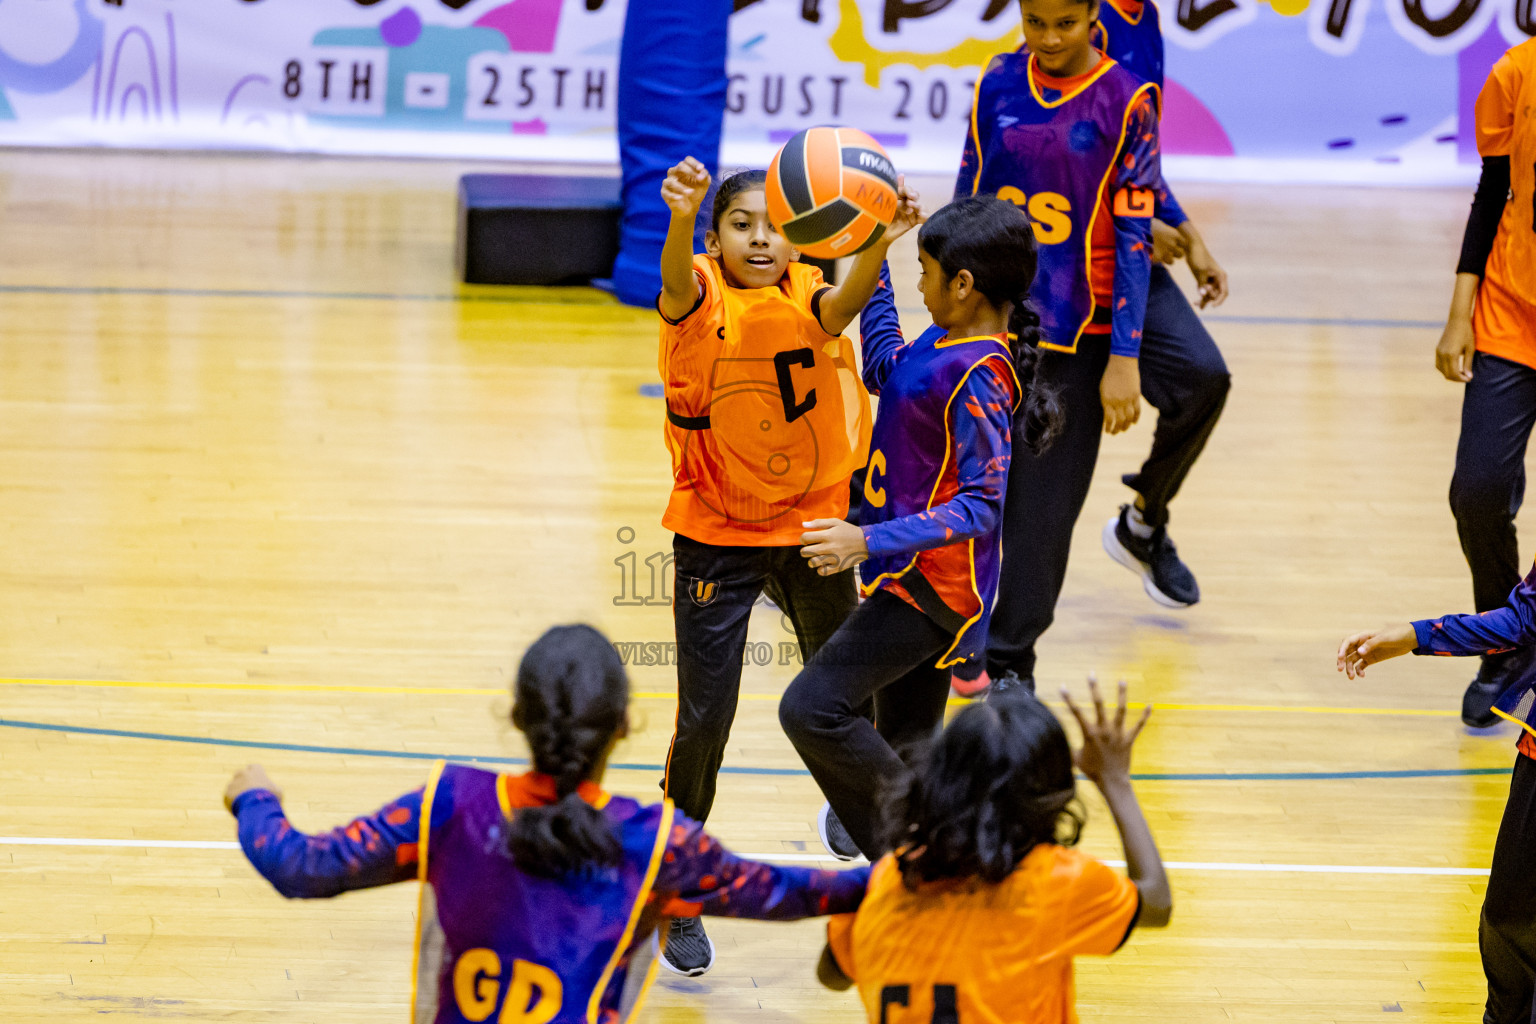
x=1133 y=202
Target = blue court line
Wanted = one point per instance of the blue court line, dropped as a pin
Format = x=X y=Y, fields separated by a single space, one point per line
x=305 y=748
x=1323 y=321
x=585 y=297
x=571 y=297
x=1286 y=321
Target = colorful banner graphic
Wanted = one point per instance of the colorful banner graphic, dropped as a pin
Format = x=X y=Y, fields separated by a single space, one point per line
x=1344 y=89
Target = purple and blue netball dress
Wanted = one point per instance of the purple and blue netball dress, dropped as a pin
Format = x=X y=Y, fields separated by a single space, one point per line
x=938 y=468
x=496 y=942
x=1081 y=157
x=1130 y=32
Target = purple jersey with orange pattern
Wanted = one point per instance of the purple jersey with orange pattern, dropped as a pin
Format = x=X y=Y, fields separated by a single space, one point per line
x=938 y=469
x=1072 y=157
x=585 y=929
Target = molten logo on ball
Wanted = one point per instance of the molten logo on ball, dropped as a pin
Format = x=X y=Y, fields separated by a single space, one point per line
x=831 y=191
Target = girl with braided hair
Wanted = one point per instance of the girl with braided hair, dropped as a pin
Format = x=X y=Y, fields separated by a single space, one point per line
x=954 y=403
x=541 y=893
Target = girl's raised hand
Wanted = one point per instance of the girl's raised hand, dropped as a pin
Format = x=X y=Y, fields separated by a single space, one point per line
x=1105 y=756
x=685 y=188
x=909 y=210
x=832 y=545
x=1367 y=648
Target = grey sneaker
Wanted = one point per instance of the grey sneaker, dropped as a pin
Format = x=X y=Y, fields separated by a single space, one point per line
x=833 y=836
x=688 y=950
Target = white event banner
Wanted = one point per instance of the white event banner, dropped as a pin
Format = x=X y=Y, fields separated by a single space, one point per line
x=1343 y=90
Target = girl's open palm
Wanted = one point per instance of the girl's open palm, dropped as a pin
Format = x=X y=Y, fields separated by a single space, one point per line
x=1105 y=755
x=1372 y=645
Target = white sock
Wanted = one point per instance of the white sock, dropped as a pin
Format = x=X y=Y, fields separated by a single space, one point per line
x=1136 y=524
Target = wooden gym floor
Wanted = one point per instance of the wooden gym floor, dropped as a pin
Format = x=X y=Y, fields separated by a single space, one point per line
x=273 y=487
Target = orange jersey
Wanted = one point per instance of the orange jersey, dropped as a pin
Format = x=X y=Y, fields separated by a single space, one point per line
x=767 y=418
x=1504 y=317
x=993 y=954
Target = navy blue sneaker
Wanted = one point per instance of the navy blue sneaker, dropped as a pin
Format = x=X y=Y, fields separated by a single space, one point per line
x=1164 y=577
x=1497 y=673
x=1011 y=682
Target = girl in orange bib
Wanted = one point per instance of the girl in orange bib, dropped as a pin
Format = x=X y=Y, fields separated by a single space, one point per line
x=978 y=913
x=767 y=420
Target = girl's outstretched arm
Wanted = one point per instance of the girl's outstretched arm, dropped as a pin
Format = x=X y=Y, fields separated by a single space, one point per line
x=842 y=302
x=1105 y=758
x=684 y=190
x=698 y=875
x=1491 y=632
x=374 y=850
x=880 y=333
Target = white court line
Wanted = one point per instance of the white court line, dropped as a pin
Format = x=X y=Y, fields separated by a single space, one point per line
x=815 y=858
x=153 y=844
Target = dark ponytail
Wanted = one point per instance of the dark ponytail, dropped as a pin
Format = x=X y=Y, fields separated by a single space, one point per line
x=995 y=241
x=1040 y=410
x=570 y=698
x=996 y=783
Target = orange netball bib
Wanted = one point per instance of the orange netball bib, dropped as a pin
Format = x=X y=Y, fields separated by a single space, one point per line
x=767 y=416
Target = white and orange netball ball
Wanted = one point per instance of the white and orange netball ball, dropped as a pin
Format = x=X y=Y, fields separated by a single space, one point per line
x=831 y=191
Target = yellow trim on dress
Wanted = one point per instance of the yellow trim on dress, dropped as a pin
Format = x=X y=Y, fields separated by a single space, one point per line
x=424 y=833
x=975 y=132
x=946 y=659
x=1093 y=76
x=870 y=587
x=1093 y=302
x=1511 y=718
x=663 y=832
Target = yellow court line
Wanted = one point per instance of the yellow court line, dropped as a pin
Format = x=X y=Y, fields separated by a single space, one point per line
x=136 y=684
x=427 y=691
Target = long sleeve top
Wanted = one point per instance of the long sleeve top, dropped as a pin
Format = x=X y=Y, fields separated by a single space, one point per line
x=980 y=427
x=1068 y=192
x=1491 y=632
x=380 y=848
